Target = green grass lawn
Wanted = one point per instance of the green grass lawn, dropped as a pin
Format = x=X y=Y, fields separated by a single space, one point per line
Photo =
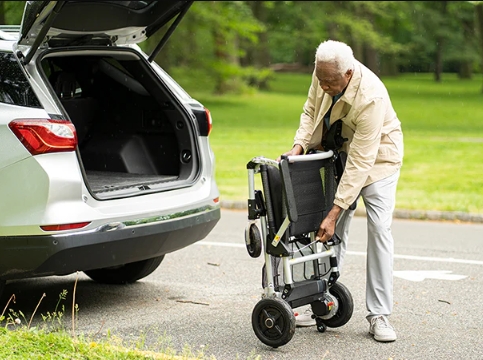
x=442 y=125
x=34 y=344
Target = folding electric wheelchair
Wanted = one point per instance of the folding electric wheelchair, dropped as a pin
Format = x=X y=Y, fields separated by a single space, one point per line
x=283 y=219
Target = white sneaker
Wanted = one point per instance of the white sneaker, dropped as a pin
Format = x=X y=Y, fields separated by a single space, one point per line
x=381 y=329
x=305 y=318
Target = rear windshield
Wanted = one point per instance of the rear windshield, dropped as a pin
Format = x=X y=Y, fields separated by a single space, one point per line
x=14 y=86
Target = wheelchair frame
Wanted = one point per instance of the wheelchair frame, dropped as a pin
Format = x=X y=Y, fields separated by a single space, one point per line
x=297 y=194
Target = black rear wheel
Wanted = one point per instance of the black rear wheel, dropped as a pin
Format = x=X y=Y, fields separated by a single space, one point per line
x=345 y=309
x=127 y=273
x=273 y=322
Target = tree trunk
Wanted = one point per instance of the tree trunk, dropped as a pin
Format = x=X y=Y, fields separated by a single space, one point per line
x=221 y=57
x=389 y=66
x=479 y=16
x=226 y=55
x=438 y=66
x=358 y=50
x=466 y=66
x=372 y=59
x=438 y=63
x=465 y=70
x=2 y=12
x=250 y=49
x=371 y=56
x=260 y=52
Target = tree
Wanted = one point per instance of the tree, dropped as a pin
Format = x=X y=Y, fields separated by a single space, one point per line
x=442 y=7
x=479 y=14
x=208 y=39
x=11 y=12
x=465 y=53
x=371 y=28
x=257 y=53
x=235 y=42
x=2 y=13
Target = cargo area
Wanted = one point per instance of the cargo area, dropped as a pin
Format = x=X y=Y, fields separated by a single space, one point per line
x=133 y=137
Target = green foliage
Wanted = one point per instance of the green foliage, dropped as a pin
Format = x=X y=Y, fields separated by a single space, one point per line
x=295 y=28
x=41 y=344
x=212 y=32
x=223 y=37
x=429 y=26
x=258 y=78
x=55 y=318
x=13 y=11
x=228 y=16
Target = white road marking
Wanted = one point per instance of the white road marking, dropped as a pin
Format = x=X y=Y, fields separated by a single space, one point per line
x=217 y=243
x=360 y=253
x=426 y=258
x=420 y=275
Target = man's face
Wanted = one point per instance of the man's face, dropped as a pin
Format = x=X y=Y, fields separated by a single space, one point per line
x=330 y=79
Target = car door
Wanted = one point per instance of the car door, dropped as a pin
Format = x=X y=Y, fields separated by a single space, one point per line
x=62 y=23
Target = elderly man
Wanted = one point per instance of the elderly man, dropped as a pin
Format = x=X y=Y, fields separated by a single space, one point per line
x=343 y=88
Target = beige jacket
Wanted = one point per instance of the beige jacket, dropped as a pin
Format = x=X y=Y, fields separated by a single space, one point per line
x=375 y=147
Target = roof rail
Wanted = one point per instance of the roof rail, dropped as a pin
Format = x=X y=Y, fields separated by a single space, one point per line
x=9 y=32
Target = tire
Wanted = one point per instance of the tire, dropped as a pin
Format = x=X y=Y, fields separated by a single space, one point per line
x=125 y=274
x=273 y=322
x=254 y=248
x=321 y=327
x=346 y=306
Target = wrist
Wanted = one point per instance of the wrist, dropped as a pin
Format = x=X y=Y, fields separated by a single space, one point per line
x=334 y=212
x=298 y=149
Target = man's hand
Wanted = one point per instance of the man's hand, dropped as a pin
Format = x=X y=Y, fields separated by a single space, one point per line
x=327 y=227
x=296 y=150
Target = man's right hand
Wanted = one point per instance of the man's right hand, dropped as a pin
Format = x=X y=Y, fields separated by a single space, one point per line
x=296 y=150
x=327 y=227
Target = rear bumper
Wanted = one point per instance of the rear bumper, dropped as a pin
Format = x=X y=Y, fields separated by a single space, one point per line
x=33 y=256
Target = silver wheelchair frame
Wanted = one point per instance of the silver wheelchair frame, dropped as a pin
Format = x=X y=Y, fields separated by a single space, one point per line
x=273 y=320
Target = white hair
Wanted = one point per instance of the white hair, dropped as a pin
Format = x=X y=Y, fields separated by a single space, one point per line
x=337 y=52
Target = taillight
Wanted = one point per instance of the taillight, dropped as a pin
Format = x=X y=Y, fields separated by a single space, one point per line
x=209 y=122
x=203 y=118
x=42 y=136
x=61 y=227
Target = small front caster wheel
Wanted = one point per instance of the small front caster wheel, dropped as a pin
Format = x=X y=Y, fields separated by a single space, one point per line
x=273 y=322
x=253 y=240
x=321 y=327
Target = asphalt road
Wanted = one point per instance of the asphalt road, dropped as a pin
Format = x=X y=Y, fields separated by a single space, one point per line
x=203 y=296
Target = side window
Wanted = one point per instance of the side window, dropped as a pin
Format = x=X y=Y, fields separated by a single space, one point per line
x=14 y=86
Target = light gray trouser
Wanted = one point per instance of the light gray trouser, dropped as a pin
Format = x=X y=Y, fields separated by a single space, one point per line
x=379 y=199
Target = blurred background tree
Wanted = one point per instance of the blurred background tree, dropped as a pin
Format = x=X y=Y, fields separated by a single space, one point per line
x=240 y=43
x=11 y=12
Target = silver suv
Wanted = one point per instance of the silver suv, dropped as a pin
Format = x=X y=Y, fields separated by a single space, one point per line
x=105 y=162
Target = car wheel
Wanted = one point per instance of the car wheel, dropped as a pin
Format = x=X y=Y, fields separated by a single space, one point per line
x=125 y=274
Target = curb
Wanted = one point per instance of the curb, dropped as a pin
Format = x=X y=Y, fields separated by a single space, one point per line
x=434 y=215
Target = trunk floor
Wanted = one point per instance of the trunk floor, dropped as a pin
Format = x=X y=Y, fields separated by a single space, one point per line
x=104 y=181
